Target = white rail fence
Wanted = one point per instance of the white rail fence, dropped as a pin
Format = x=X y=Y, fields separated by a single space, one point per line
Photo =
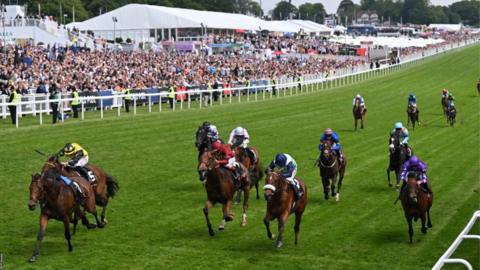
x=445 y=258
x=38 y=105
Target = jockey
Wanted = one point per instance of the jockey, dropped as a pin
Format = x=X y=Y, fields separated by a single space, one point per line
x=225 y=149
x=362 y=101
x=412 y=99
x=402 y=132
x=445 y=93
x=78 y=158
x=330 y=135
x=239 y=138
x=288 y=169
x=450 y=103
x=414 y=164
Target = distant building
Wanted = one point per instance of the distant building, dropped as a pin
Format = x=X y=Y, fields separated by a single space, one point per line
x=367 y=17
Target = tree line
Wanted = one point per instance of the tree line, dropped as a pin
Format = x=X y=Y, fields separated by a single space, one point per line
x=411 y=11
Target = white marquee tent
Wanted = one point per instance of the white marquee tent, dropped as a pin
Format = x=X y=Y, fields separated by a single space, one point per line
x=140 y=22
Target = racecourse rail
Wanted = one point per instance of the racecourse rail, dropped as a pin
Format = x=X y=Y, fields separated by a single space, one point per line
x=445 y=258
x=38 y=105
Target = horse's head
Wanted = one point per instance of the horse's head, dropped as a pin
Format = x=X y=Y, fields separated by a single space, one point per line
x=412 y=187
x=327 y=150
x=201 y=138
x=394 y=142
x=36 y=191
x=273 y=184
x=52 y=163
x=207 y=163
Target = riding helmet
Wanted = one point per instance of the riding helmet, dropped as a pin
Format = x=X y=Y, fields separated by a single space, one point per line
x=68 y=149
x=328 y=131
x=238 y=131
x=398 y=125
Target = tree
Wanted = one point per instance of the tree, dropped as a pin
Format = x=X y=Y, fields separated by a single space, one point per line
x=282 y=10
x=52 y=8
x=248 y=7
x=415 y=11
x=313 y=12
x=467 y=11
x=347 y=9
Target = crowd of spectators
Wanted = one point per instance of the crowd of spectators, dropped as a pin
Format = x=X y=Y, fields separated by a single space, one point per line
x=38 y=68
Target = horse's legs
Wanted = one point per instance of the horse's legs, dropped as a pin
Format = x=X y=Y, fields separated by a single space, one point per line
x=66 y=225
x=226 y=211
x=429 y=222
x=355 y=120
x=41 y=233
x=332 y=186
x=388 y=177
x=75 y=222
x=362 y=122
x=281 y=226
x=410 y=228
x=102 y=215
x=238 y=197
x=296 y=228
x=256 y=187
x=397 y=175
x=246 y=195
x=84 y=219
x=423 y=219
x=326 y=187
x=207 y=206
x=266 y=221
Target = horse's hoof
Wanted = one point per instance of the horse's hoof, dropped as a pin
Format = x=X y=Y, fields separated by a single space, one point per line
x=390 y=185
x=337 y=197
x=430 y=225
x=101 y=225
x=424 y=230
x=243 y=224
x=91 y=226
x=279 y=244
x=228 y=218
x=236 y=203
x=221 y=227
x=70 y=249
x=211 y=233
x=32 y=259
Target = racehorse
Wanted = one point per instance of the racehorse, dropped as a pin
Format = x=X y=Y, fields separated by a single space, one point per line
x=451 y=115
x=281 y=203
x=220 y=187
x=202 y=143
x=330 y=169
x=416 y=202
x=105 y=186
x=359 y=113
x=57 y=200
x=398 y=156
x=253 y=166
x=444 y=105
x=412 y=115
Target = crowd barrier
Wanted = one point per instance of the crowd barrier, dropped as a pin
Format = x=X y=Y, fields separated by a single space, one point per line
x=38 y=104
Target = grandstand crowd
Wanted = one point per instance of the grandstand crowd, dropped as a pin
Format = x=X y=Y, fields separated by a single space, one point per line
x=266 y=58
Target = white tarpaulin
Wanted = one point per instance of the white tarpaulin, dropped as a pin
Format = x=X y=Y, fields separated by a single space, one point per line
x=446 y=27
x=392 y=42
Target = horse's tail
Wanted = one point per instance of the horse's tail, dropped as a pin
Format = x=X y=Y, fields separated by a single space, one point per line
x=112 y=186
x=260 y=174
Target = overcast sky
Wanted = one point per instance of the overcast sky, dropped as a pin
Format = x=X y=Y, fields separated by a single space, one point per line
x=332 y=5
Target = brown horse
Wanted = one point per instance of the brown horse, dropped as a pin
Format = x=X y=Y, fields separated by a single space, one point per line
x=281 y=203
x=330 y=169
x=253 y=166
x=359 y=114
x=105 y=186
x=57 y=201
x=412 y=115
x=220 y=187
x=416 y=204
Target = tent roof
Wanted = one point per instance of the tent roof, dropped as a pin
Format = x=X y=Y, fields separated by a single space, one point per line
x=137 y=16
x=13 y=11
x=447 y=27
x=392 y=42
x=313 y=26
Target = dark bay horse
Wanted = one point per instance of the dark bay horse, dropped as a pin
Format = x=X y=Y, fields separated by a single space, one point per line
x=398 y=156
x=444 y=103
x=359 y=114
x=220 y=187
x=202 y=143
x=57 y=201
x=105 y=186
x=280 y=204
x=416 y=204
x=412 y=115
x=451 y=115
x=330 y=170
x=253 y=166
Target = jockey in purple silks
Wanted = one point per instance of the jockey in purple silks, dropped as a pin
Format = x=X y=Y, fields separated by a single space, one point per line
x=414 y=164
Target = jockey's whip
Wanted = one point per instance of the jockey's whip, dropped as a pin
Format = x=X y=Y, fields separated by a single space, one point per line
x=40 y=152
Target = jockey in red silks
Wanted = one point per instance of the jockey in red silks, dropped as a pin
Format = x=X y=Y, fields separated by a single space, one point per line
x=229 y=161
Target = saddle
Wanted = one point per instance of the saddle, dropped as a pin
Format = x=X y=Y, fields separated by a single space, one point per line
x=78 y=193
x=88 y=174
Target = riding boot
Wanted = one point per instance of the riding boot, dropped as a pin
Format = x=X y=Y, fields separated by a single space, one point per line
x=83 y=171
x=297 y=189
x=77 y=192
x=251 y=154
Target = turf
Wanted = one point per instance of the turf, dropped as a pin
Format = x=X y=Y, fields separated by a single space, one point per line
x=156 y=221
